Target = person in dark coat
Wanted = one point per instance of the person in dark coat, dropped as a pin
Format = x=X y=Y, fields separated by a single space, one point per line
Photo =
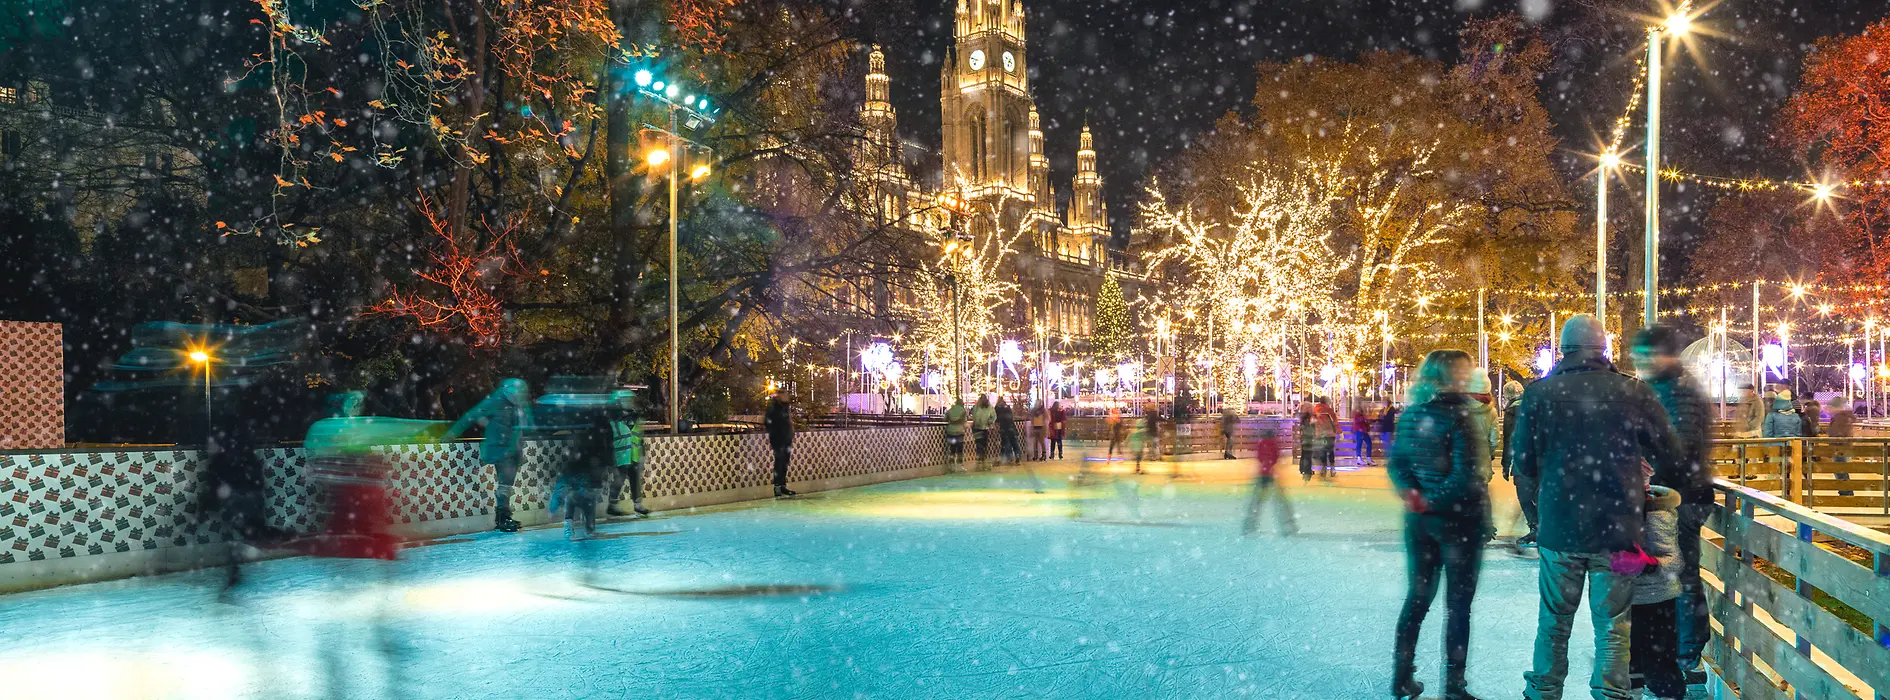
x=1581 y=435
x=1843 y=419
x=779 y=422
x=1440 y=466
x=1657 y=361
x=1525 y=487
x=1009 y=452
x=1783 y=421
x=1058 y=420
x=1808 y=415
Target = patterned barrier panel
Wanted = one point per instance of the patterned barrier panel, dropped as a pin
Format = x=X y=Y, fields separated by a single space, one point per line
x=32 y=386
x=63 y=505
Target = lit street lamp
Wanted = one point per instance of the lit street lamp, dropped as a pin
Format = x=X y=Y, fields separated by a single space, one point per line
x=1675 y=26
x=697 y=111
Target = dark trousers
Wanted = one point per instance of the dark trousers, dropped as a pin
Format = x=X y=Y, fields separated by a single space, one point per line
x=1454 y=547
x=1690 y=612
x=1526 y=497
x=1056 y=445
x=630 y=475
x=1651 y=661
x=981 y=440
x=506 y=471
x=956 y=444
x=780 y=467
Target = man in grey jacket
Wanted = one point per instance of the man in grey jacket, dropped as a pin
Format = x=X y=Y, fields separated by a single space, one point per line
x=1580 y=436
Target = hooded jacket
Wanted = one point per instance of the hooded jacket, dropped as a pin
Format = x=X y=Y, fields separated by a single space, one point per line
x=779 y=421
x=1442 y=450
x=1660 y=538
x=1692 y=419
x=1580 y=436
x=1783 y=421
x=506 y=413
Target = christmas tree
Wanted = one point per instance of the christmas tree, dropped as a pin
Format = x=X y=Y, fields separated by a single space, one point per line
x=1113 y=336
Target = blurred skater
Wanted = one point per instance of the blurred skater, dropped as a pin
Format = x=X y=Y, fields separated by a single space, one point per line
x=583 y=477
x=1362 y=427
x=1525 y=486
x=506 y=414
x=1654 y=638
x=1326 y=436
x=779 y=422
x=1440 y=468
x=1148 y=438
x=1116 y=430
x=1266 y=487
x=1229 y=420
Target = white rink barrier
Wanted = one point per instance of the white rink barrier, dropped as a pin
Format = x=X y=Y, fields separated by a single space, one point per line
x=75 y=516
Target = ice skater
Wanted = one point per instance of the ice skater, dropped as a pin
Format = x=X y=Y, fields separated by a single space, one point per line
x=1008 y=449
x=1058 y=421
x=982 y=418
x=506 y=414
x=1654 y=638
x=955 y=432
x=1267 y=488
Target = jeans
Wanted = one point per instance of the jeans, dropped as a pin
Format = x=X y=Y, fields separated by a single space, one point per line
x=1610 y=603
x=1690 y=611
x=1365 y=445
x=1653 y=647
x=1056 y=445
x=780 y=467
x=1454 y=547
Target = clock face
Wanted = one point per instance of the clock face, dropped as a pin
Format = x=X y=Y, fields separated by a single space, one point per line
x=1010 y=63
x=977 y=59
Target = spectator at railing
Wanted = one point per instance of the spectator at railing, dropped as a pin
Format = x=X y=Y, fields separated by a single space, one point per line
x=1808 y=418
x=1843 y=419
x=1783 y=421
x=1749 y=422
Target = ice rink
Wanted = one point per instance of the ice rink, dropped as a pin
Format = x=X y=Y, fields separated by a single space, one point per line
x=967 y=585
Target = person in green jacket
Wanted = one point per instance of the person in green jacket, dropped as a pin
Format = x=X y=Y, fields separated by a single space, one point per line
x=982 y=419
x=506 y=414
x=626 y=429
x=955 y=430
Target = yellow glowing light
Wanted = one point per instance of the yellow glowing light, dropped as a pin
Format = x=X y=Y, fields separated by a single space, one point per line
x=1798 y=290
x=1611 y=160
x=1823 y=192
x=199 y=356
x=1824 y=309
x=656 y=157
x=700 y=172
x=1679 y=24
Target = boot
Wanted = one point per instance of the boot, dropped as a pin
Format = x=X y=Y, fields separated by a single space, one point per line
x=783 y=492
x=1404 y=684
x=1455 y=688
x=502 y=520
x=641 y=511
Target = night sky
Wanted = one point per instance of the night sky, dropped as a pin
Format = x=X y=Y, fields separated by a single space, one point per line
x=1152 y=74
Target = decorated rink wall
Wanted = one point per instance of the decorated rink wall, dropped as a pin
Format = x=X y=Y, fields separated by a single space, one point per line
x=75 y=516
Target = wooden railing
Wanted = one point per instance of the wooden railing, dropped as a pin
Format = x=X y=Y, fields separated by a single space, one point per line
x=1800 y=600
x=1842 y=476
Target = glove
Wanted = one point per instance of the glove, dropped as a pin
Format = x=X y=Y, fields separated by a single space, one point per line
x=1632 y=563
x=1414 y=501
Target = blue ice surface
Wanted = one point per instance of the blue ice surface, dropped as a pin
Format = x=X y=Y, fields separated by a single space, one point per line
x=964 y=586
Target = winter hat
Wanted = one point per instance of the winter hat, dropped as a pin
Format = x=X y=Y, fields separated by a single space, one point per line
x=1479 y=383
x=1512 y=388
x=1583 y=332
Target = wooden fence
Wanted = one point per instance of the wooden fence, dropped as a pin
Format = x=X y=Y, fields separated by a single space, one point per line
x=1800 y=600
x=1841 y=476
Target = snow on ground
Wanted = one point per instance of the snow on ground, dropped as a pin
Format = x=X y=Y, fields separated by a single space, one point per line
x=959 y=586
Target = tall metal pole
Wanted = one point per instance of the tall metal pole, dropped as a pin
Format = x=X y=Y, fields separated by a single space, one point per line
x=675 y=368
x=1483 y=339
x=1758 y=371
x=1601 y=243
x=1652 y=252
x=958 y=342
x=1725 y=341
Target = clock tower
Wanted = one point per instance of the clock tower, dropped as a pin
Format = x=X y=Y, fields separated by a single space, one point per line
x=985 y=98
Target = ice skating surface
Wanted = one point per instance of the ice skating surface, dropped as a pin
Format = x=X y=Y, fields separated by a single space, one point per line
x=963 y=586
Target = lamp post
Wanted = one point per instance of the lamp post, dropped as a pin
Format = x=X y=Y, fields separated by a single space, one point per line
x=1609 y=161
x=1675 y=26
x=697 y=111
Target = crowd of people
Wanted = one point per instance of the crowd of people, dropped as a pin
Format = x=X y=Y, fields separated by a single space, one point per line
x=1612 y=474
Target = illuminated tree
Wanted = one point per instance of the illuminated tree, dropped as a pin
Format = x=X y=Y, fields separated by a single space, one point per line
x=1840 y=120
x=1112 y=337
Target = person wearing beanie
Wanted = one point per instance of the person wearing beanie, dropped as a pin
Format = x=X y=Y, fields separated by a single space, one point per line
x=1843 y=419
x=1783 y=421
x=1580 y=436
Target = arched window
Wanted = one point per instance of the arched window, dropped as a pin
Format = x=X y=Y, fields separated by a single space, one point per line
x=978 y=147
